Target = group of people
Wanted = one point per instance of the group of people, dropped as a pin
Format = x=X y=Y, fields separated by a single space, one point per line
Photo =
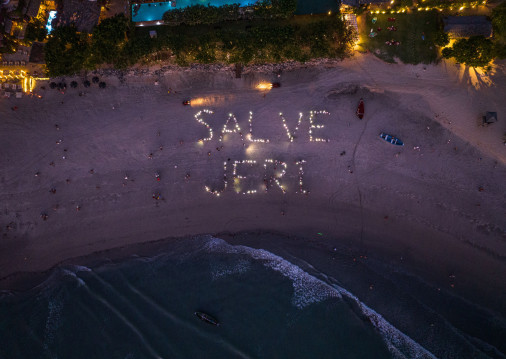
x=392 y=42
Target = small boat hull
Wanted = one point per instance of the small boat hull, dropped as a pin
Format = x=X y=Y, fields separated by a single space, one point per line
x=360 y=109
x=393 y=140
x=207 y=318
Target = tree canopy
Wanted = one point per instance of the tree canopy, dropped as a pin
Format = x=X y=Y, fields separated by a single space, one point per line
x=66 y=51
x=499 y=20
x=35 y=30
x=477 y=51
x=115 y=41
x=108 y=40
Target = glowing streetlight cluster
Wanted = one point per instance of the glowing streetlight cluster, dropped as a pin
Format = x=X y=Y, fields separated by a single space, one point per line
x=312 y=125
x=268 y=180
x=236 y=128
x=290 y=136
x=250 y=135
x=200 y=120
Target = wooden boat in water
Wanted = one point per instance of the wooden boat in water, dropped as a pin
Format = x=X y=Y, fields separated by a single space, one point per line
x=360 y=109
x=207 y=318
x=393 y=140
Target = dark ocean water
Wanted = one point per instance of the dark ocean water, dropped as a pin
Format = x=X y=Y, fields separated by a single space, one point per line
x=144 y=307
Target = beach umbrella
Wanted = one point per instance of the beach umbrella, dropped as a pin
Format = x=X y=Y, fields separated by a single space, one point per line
x=95 y=79
x=101 y=85
x=73 y=84
x=86 y=83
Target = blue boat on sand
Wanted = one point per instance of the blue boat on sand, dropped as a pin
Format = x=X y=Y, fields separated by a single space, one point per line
x=393 y=140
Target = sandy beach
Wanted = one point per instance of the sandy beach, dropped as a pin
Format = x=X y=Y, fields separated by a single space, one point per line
x=436 y=205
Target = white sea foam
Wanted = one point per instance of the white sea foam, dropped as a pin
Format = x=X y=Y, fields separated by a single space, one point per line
x=76 y=268
x=309 y=289
x=54 y=307
x=72 y=274
x=221 y=271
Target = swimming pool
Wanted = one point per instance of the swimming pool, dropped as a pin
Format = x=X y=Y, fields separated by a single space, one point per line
x=155 y=11
x=52 y=16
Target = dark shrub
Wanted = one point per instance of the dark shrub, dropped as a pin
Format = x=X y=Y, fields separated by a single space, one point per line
x=102 y=85
x=52 y=85
x=73 y=84
x=95 y=79
x=86 y=83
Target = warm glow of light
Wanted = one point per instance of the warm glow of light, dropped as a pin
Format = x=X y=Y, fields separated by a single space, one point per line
x=197 y=101
x=461 y=8
x=250 y=149
x=330 y=12
x=264 y=86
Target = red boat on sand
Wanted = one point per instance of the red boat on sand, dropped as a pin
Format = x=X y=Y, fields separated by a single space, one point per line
x=360 y=109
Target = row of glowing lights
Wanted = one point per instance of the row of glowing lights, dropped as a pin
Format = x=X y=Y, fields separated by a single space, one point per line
x=27 y=82
x=237 y=129
x=267 y=180
x=267 y=162
x=427 y=8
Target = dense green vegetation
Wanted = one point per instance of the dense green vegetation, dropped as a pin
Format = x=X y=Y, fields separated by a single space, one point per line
x=200 y=14
x=116 y=41
x=66 y=51
x=108 y=41
x=35 y=31
x=10 y=45
x=477 y=51
x=417 y=35
x=499 y=25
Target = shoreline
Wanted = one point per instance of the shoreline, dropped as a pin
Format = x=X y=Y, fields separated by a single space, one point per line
x=370 y=278
x=420 y=202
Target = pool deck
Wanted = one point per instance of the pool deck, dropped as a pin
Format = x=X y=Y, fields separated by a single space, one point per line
x=149 y=23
